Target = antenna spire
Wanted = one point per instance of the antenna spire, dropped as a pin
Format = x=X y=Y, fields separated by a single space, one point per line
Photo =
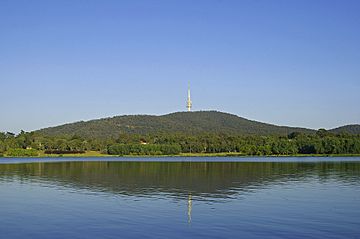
x=189 y=102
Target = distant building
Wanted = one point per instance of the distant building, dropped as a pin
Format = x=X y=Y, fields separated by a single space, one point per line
x=142 y=141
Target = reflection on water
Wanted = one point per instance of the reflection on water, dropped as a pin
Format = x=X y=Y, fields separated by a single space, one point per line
x=189 y=208
x=205 y=180
x=219 y=199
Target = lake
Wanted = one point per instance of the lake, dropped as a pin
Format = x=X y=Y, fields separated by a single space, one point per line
x=180 y=198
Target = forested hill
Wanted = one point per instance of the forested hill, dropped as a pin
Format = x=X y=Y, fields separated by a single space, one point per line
x=348 y=129
x=180 y=122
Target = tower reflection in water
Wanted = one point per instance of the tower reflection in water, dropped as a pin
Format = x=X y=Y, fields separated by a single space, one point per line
x=189 y=208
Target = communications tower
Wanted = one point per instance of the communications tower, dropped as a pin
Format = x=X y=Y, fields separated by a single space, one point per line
x=189 y=102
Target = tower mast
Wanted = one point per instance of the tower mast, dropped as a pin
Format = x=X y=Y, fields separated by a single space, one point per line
x=189 y=102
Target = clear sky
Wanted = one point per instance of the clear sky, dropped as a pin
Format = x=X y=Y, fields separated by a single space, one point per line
x=284 y=62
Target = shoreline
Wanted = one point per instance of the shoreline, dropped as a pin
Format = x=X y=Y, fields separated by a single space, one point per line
x=94 y=154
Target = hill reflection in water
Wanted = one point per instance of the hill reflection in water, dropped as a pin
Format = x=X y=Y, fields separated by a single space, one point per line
x=202 y=180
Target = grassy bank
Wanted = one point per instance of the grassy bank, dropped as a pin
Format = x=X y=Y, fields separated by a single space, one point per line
x=86 y=154
x=41 y=154
x=271 y=155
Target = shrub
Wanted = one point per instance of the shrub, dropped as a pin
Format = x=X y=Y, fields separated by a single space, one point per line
x=22 y=152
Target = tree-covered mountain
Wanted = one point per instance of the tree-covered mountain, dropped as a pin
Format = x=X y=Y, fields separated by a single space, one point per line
x=347 y=129
x=181 y=122
x=206 y=132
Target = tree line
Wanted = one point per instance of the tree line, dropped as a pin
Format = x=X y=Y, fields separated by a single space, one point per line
x=321 y=142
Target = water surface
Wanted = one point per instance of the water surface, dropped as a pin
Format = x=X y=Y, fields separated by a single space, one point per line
x=194 y=198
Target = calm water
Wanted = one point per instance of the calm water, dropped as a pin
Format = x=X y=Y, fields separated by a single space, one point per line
x=293 y=198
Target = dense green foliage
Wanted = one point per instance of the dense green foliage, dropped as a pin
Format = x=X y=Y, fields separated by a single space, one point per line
x=140 y=149
x=189 y=123
x=321 y=142
x=22 y=152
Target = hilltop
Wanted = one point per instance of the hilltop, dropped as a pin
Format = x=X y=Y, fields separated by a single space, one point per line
x=180 y=122
x=348 y=129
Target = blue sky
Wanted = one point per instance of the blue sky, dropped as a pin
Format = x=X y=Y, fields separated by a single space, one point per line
x=293 y=63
